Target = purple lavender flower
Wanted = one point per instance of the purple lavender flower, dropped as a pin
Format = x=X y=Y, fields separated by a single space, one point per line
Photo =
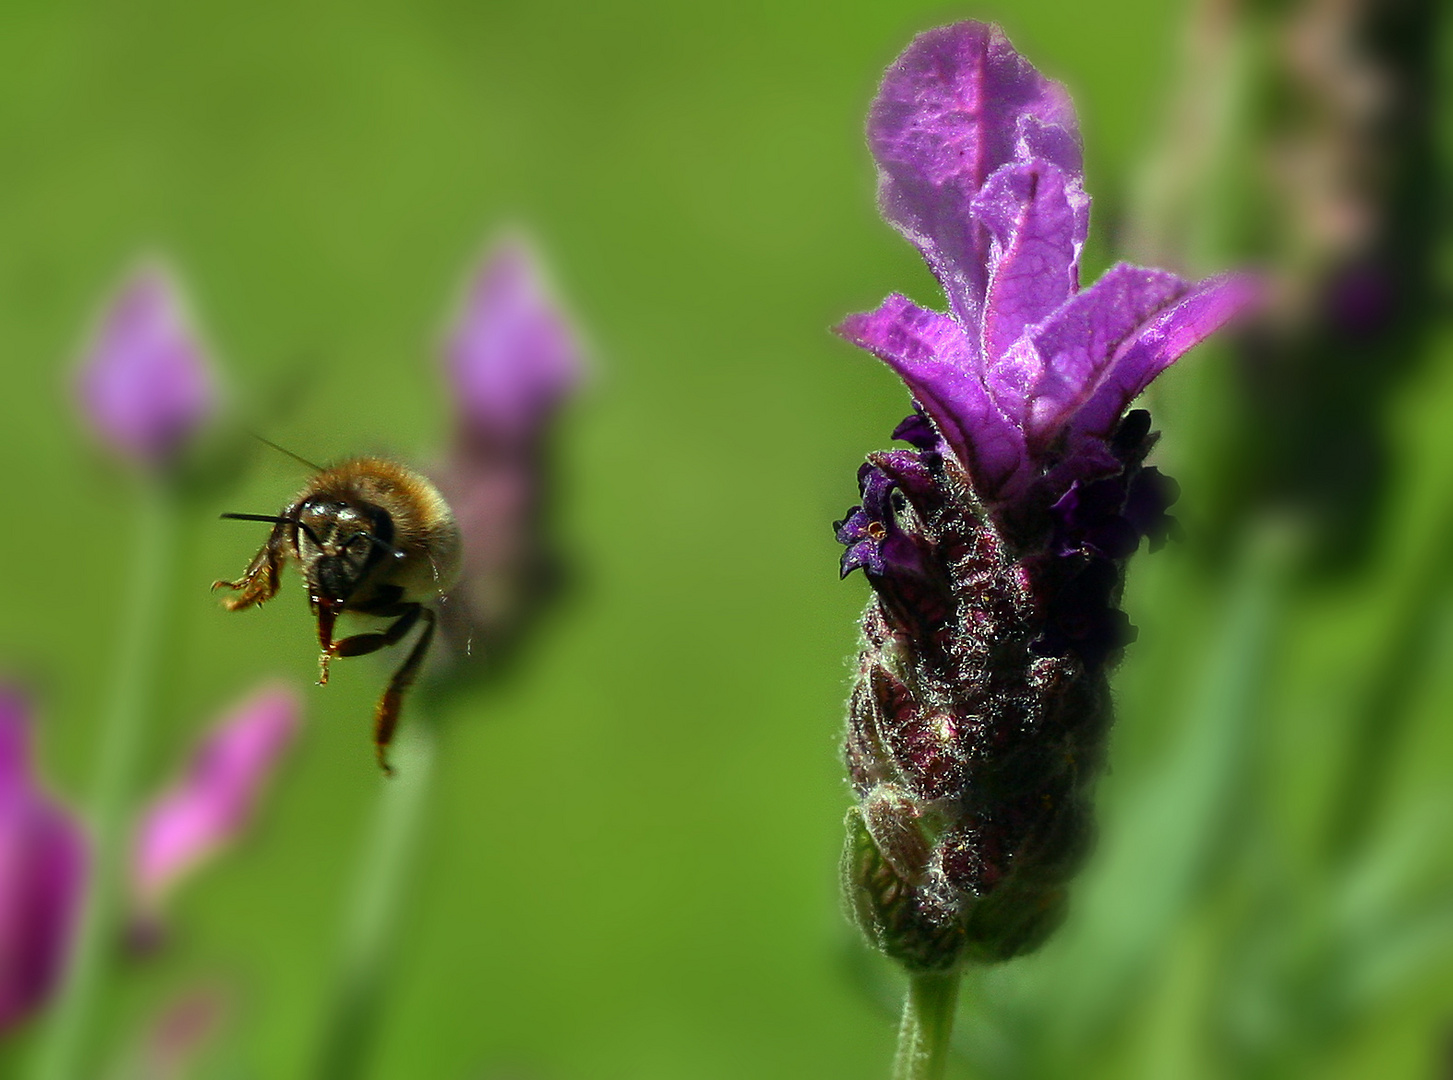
x=513 y=356
x=43 y=862
x=512 y=360
x=996 y=546
x=214 y=799
x=145 y=386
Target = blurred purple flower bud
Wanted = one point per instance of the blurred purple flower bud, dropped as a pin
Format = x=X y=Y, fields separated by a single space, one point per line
x=214 y=799
x=513 y=355
x=996 y=547
x=145 y=386
x=43 y=865
x=180 y=1035
x=512 y=360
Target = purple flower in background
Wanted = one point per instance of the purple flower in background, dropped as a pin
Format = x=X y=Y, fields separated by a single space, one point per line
x=513 y=356
x=214 y=800
x=43 y=863
x=512 y=360
x=996 y=546
x=177 y=1038
x=145 y=386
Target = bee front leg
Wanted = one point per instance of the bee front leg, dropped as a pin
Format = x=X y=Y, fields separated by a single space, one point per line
x=259 y=582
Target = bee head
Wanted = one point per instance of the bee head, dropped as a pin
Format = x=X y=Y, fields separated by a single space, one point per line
x=340 y=543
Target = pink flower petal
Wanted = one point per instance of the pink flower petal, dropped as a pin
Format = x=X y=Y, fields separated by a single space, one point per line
x=215 y=798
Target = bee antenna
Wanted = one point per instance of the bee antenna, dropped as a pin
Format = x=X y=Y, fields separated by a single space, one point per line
x=254 y=517
x=284 y=450
x=276 y=519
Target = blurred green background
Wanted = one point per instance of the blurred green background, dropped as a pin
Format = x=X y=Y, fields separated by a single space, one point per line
x=629 y=864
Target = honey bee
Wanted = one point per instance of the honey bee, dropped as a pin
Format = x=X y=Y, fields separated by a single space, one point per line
x=373 y=538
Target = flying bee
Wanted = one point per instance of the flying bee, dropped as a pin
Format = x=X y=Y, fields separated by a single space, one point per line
x=373 y=538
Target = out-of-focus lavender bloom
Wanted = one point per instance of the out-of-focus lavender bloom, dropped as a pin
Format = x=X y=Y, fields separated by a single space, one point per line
x=145 y=386
x=214 y=800
x=179 y=1036
x=513 y=356
x=43 y=864
x=996 y=547
x=512 y=359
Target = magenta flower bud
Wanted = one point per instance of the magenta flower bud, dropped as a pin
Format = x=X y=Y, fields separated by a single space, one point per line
x=512 y=360
x=513 y=355
x=43 y=865
x=145 y=386
x=996 y=546
x=215 y=798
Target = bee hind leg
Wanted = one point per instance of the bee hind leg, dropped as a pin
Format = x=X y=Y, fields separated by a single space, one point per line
x=386 y=715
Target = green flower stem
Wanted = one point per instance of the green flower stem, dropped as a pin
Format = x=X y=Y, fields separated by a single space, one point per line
x=372 y=920
x=120 y=739
x=928 y=1021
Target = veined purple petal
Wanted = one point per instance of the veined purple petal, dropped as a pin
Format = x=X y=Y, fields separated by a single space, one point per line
x=1038 y=218
x=43 y=861
x=1169 y=335
x=214 y=800
x=939 y=362
x=513 y=355
x=1056 y=144
x=1077 y=345
x=951 y=110
x=145 y=386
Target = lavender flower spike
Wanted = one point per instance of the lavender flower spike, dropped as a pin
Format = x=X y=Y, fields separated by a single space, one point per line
x=145 y=386
x=214 y=799
x=512 y=360
x=996 y=546
x=513 y=355
x=43 y=863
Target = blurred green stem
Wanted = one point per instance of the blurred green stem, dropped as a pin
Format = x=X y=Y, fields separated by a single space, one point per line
x=928 y=1021
x=375 y=901
x=63 y=1048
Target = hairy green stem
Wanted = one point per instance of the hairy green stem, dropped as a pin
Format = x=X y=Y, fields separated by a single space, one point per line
x=372 y=918
x=928 y=1021
x=119 y=742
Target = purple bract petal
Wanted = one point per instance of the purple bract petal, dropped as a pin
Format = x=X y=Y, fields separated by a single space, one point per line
x=1077 y=346
x=980 y=167
x=145 y=386
x=938 y=361
x=1169 y=335
x=513 y=356
x=43 y=863
x=213 y=801
x=1038 y=218
x=958 y=104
